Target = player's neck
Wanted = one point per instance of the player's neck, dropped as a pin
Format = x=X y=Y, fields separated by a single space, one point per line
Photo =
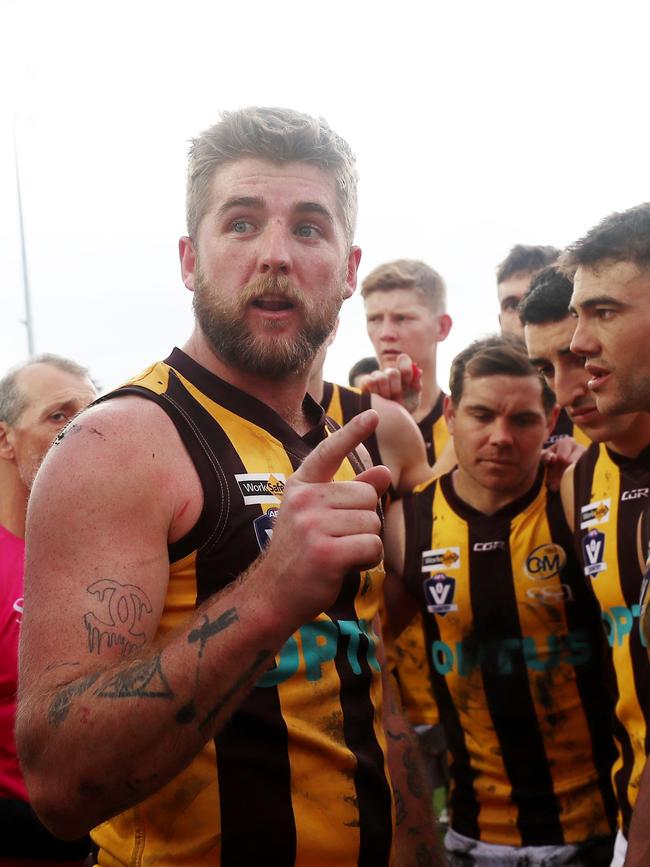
x=316 y=383
x=487 y=500
x=430 y=391
x=634 y=440
x=284 y=396
x=13 y=500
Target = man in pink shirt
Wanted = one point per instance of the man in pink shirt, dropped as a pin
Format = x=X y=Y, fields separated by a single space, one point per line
x=37 y=400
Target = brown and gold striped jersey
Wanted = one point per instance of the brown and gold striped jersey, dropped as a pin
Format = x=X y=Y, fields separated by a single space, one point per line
x=298 y=775
x=433 y=428
x=407 y=656
x=515 y=648
x=611 y=493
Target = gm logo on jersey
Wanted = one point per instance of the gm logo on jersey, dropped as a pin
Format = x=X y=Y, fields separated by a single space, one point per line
x=595 y=513
x=545 y=562
x=445 y=558
x=261 y=488
x=593 y=550
x=263 y=527
x=439 y=593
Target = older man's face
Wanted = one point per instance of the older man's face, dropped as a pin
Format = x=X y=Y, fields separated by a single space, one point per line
x=52 y=397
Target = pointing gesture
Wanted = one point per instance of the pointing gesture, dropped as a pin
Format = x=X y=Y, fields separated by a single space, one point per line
x=325 y=529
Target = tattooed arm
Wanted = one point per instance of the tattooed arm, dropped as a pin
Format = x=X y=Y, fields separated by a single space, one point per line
x=417 y=842
x=109 y=709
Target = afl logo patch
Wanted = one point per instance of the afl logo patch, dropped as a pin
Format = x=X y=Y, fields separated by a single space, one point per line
x=545 y=561
x=263 y=527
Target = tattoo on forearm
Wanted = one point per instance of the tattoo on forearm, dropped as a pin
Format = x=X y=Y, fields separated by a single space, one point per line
x=123 y=606
x=261 y=657
x=400 y=807
x=208 y=628
x=142 y=680
x=411 y=761
x=423 y=856
x=186 y=714
x=62 y=701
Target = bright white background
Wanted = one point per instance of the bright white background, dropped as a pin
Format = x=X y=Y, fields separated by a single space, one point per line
x=476 y=125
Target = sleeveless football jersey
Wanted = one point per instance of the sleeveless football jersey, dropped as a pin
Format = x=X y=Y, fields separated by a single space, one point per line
x=433 y=428
x=298 y=775
x=611 y=493
x=406 y=655
x=515 y=649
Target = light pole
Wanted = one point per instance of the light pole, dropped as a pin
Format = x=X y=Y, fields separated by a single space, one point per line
x=23 y=251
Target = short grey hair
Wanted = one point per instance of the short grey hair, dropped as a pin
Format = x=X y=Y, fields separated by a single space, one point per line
x=276 y=134
x=12 y=400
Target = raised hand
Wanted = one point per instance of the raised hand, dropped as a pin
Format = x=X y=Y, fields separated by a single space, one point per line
x=324 y=528
x=402 y=383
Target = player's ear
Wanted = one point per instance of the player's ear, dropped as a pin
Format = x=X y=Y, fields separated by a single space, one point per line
x=443 y=326
x=449 y=412
x=354 y=258
x=6 y=444
x=551 y=419
x=187 y=255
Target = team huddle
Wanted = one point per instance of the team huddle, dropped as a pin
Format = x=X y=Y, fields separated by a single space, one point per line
x=246 y=588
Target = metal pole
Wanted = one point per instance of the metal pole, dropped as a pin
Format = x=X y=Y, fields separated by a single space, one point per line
x=23 y=251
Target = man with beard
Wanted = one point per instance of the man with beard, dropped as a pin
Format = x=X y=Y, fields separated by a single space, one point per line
x=211 y=691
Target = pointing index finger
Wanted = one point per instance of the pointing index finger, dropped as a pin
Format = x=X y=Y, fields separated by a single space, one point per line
x=321 y=465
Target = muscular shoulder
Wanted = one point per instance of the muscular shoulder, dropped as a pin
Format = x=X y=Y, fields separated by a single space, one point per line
x=127 y=448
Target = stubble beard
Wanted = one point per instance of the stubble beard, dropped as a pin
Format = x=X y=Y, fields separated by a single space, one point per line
x=266 y=355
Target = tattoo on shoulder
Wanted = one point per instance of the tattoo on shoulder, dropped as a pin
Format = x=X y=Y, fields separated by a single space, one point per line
x=121 y=607
x=208 y=628
x=142 y=680
x=60 y=706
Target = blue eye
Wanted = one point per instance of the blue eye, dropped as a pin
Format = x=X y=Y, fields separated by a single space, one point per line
x=307 y=231
x=241 y=226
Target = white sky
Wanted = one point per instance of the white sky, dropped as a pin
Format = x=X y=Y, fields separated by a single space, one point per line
x=476 y=125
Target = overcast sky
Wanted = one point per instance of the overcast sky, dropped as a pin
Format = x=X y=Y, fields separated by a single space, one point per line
x=476 y=126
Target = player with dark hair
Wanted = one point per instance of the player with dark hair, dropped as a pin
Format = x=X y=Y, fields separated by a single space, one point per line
x=513 y=632
x=513 y=279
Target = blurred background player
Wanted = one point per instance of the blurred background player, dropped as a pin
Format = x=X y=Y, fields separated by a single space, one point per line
x=360 y=369
x=405 y=313
x=37 y=399
x=405 y=303
x=514 y=275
